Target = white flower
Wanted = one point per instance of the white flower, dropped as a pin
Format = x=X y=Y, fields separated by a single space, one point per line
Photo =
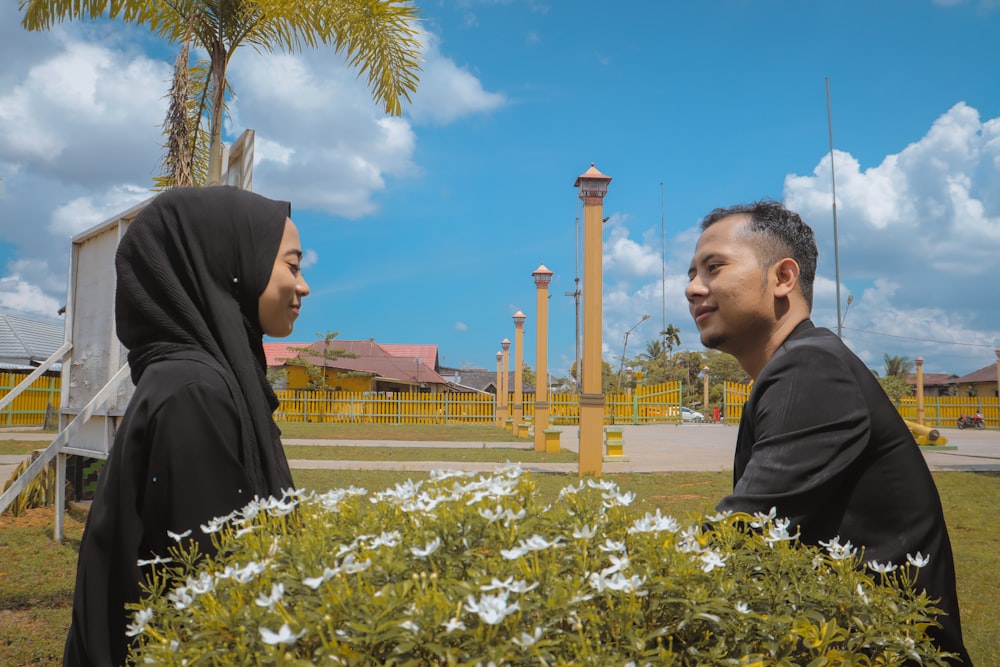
x=539 y=543
x=350 y=564
x=491 y=515
x=618 y=499
x=778 y=532
x=861 y=594
x=711 y=560
x=453 y=624
x=282 y=636
x=246 y=574
x=760 y=518
x=875 y=566
x=497 y=585
x=180 y=597
x=527 y=641
x=918 y=561
x=141 y=620
x=603 y=485
x=617 y=565
x=411 y=626
x=390 y=539
x=837 y=550
x=742 y=607
x=655 y=523
x=492 y=609
x=158 y=560
x=584 y=532
x=514 y=553
x=720 y=516
x=277 y=592
x=521 y=587
x=428 y=549
x=177 y=537
x=610 y=546
x=203 y=584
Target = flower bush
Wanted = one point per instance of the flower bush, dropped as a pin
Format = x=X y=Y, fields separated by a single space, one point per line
x=465 y=569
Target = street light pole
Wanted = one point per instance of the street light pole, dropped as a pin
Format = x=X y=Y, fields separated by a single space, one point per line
x=505 y=346
x=593 y=186
x=499 y=388
x=519 y=318
x=542 y=276
x=625 y=349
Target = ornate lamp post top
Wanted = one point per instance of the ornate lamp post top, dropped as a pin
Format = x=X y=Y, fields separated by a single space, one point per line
x=519 y=319
x=499 y=357
x=593 y=185
x=542 y=276
x=505 y=344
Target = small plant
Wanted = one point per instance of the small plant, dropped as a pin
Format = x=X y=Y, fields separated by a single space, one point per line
x=466 y=570
x=40 y=492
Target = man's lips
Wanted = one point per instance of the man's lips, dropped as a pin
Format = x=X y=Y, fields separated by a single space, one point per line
x=701 y=313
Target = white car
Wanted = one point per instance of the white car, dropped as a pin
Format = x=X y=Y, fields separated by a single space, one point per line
x=689 y=415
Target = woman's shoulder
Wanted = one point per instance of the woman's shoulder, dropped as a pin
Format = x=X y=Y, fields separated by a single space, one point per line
x=170 y=376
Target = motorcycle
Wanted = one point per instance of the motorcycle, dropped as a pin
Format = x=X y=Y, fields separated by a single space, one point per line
x=972 y=421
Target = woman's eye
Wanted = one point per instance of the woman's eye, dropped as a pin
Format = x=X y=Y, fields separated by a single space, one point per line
x=295 y=269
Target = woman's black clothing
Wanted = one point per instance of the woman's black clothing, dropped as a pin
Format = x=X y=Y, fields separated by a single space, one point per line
x=197 y=440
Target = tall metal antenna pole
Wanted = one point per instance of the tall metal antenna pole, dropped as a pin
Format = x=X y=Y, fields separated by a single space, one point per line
x=663 y=266
x=833 y=185
x=576 y=295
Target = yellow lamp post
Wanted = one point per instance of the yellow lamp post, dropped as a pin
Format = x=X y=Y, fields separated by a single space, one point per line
x=920 y=390
x=519 y=318
x=593 y=186
x=542 y=276
x=498 y=418
x=505 y=346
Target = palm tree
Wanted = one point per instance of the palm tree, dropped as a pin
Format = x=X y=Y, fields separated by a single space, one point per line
x=671 y=338
x=379 y=37
x=897 y=366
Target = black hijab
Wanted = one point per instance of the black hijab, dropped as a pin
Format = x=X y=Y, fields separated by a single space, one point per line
x=191 y=268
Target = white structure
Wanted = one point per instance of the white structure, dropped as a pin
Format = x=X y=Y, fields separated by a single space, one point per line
x=95 y=375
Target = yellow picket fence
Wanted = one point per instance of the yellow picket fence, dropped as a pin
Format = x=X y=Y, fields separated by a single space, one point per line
x=29 y=407
x=654 y=404
x=945 y=410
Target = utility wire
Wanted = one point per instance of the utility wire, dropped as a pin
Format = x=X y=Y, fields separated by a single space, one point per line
x=921 y=340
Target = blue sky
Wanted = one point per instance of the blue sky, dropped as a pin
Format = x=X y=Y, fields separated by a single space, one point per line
x=426 y=228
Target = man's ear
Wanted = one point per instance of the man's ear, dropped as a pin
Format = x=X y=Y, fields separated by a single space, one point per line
x=787 y=273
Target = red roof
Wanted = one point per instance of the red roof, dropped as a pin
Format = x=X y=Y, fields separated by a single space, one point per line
x=425 y=353
x=933 y=379
x=984 y=374
x=374 y=358
x=275 y=352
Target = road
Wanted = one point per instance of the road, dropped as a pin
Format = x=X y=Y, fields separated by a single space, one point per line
x=647 y=448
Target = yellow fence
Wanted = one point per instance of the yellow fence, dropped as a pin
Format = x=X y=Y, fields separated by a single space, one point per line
x=734 y=396
x=657 y=403
x=945 y=410
x=29 y=407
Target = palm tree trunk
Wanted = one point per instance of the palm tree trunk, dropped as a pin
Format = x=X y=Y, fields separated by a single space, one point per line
x=218 y=59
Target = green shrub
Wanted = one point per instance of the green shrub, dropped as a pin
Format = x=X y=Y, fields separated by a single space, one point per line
x=465 y=570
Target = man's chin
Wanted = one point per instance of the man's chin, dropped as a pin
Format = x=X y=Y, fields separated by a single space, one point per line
x=712 y=341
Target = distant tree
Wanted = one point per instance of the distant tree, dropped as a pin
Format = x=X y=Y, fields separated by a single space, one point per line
x=671 y=338
x=897 y=366
x=896 y=387
x=652 y=362
x=608 y=377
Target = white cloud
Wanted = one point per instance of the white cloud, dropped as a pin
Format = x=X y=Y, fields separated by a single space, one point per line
x=309 y=258
x=448 y=92
x=26 y=298
x=461 y=326
x=919 y=235
x=82 y=213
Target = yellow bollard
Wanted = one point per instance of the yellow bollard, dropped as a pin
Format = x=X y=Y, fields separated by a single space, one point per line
x=614 y=444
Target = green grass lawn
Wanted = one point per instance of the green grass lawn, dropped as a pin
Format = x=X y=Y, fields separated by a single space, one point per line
x=423 y=432
x=36 y=573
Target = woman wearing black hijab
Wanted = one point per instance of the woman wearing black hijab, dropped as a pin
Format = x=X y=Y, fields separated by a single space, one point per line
x=203 y=274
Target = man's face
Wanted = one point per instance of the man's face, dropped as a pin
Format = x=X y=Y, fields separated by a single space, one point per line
x=729 y=293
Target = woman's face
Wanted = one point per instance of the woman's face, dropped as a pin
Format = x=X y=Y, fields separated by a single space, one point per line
x=280 y=301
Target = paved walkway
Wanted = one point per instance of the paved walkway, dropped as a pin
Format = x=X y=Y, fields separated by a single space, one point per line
x=648 y=448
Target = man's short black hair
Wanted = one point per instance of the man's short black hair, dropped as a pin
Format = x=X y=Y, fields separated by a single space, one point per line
x=776 y=233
